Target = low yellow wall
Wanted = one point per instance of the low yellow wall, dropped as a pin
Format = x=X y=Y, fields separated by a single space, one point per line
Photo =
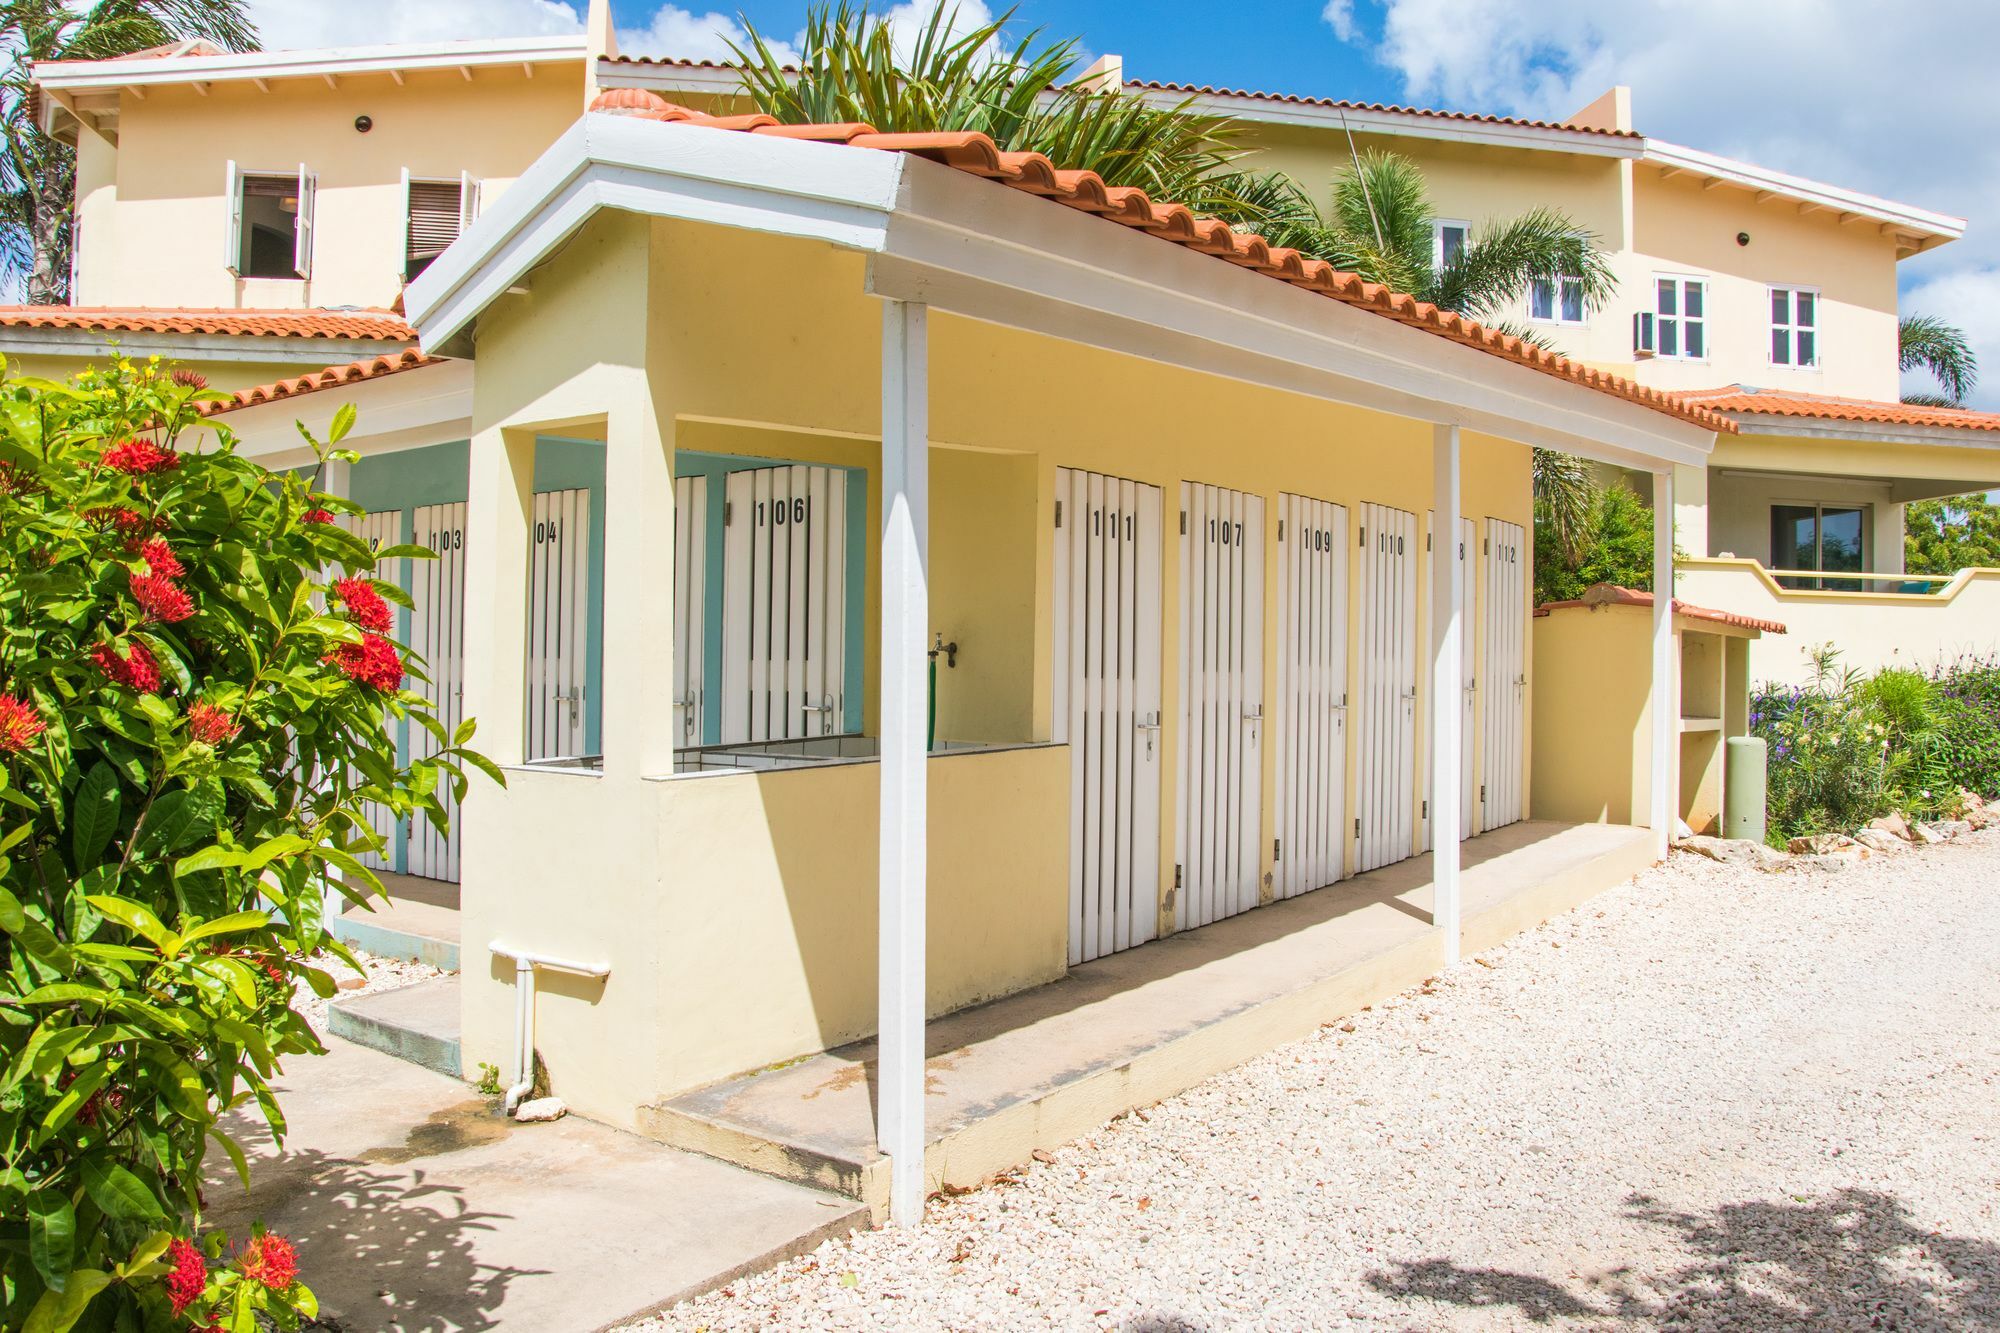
x=1593 y=715
x=1871 y=630
x=738 y=913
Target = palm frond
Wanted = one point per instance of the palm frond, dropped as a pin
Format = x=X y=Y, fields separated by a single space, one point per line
x=1382 y=208
x=1565 y=495
x=1502 y=259
x=1929 y=400
x=1925 y=342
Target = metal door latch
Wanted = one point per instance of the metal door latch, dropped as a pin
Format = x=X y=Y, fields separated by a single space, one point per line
x=1148 y=723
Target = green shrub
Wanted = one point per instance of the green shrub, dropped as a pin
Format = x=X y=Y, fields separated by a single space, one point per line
x=1618 y=549
x=191 y=720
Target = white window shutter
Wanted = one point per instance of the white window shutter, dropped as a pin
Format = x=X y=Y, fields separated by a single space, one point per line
x=403 y=268
x=302 y=243
x=468 y=199
x=232 y=193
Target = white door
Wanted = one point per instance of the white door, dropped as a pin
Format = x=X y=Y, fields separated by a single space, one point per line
x=558 y=623
x=1221 y=763
x=1309 y=723
x=784 y=603
x=1505 y=670
x=381 y=529
x=437 y=635
x=1466 y=549
x=1107 y=705
x=1385 y=772
x=690 y=607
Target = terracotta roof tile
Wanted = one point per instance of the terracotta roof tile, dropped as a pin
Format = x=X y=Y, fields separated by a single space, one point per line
x=976 y=154
x=333 y=377
x=372 y=325
x=1610 y=594
x=1332 y=103
x=1743 y=399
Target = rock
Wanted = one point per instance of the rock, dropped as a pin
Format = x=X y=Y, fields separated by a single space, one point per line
x=351 y=983
x=1953 y=828
x=1834 y=862
x=1878 y=840
x=1925 y=833
x=1819 y=844
x=541 y=1109
x=1894 y=825
x=1734 y=851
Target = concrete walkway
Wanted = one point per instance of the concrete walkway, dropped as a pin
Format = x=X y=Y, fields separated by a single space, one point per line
x=416 y=1207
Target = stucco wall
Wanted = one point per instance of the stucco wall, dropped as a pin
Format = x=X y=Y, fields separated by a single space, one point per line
x=1593 y=720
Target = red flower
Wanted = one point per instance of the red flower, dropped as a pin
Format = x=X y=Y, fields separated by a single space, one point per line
x=138 y=668
x=136 y=457
x=19 y=724
x=373 y=661
x=365 y=606
x=117 y=517
x=188 y=1277
x=160 y=558
x=190 y=379
x=210 y=725
x=316 y=516
x=269 y=1261
x=161 y=599
x=13 y=482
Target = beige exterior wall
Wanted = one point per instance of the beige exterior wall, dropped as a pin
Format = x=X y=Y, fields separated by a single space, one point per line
x=756 y=892
x=154 y=219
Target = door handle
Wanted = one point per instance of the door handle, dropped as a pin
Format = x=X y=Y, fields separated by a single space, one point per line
x=574 y=698
x=825 y=710
x=1148 y=723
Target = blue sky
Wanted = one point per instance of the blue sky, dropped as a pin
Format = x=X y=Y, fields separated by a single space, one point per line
x=1889 y=100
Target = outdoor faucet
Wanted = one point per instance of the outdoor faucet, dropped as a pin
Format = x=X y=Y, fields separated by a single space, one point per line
x=950 y=651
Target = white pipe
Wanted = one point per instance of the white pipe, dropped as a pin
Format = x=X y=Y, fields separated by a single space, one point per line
x=525 y=963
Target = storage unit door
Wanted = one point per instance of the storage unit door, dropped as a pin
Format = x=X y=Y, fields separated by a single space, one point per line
x=1107 y=705
x=437 y=635
x=1465 y=548
x=558 y=623
x=784 y=599
x=1505 y=670
x=1220 y=816
x=690 y=607
x=381 y=529
x=1309 y=722
x=1385 y=767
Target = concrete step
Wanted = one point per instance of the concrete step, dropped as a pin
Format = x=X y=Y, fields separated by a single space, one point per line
x=416 y=1023
x=1038 y=1069
x=417 y=931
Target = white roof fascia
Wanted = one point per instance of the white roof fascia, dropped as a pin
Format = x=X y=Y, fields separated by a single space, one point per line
x=1830 y=197
x=406 y=409
x=1875 y=432
x=278 y=349
x=88 y=75
x=980 y=249
x=1409 y=123
x=667 y=77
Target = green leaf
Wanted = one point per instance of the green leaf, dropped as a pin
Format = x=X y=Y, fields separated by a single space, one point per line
x=213 y=857
x=117 y=1191
x=343 y=422
x=178 y=817
x=483 y=764
x=11 y=916
x=146 y=1252
x=285 y=844
x=232 y=924
x=94 y=814
x=137 y=918
x=51 y=1236
x=236 y=1157
x=59 y=1309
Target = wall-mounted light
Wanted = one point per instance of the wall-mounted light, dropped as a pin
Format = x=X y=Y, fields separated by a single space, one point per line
x=363 y=124
x=1743 y=238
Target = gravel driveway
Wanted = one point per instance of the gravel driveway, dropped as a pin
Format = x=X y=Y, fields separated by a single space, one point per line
x=1712 y=1098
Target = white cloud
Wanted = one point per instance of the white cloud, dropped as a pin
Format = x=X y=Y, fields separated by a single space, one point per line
x=674 y=31
x=1339 y=15
x=1895 y=103
x=290 y=24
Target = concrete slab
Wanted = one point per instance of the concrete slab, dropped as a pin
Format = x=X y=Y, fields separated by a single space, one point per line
x=1037 y=1069
x=422 y=929
x=417 y=1023
x=415 y=1206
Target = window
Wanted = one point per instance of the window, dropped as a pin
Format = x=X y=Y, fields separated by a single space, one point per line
x=1556 y=300
x=435 y=212
x=1794 y=326
x=1681 y=326
x=1449 y=237
x=1826 y=538
x=270 y=223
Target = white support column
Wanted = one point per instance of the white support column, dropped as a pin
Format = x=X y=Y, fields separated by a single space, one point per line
x=1666 y=700
x=1447 y=596
x=905 y=616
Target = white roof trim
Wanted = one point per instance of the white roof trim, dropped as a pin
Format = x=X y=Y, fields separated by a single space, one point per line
x=1883 y=432
x=979 y=249
x=313 y=352
x=1675 y=157
x=407 y=409
x=90 y=75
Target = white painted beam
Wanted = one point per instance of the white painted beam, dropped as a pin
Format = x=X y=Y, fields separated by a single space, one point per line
x=1447 y=594
x=1666 y=700
x=905 y=616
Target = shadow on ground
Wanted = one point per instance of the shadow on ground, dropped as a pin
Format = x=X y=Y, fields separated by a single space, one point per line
x=1853 y=1258
x=404 y=1232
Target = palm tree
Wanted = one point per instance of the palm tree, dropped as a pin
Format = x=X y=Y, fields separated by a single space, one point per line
x=38 y=172
x=1925 y=342
x=855 y=66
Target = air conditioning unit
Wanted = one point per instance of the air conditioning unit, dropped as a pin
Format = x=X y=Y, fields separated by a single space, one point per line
x=1642 y=334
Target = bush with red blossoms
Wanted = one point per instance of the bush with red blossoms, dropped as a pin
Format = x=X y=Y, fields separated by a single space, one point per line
x=187 y=745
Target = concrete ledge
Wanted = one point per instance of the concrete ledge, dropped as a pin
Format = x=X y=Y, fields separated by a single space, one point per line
x=415 y=1023
x=1040 y=1068
x=417 y=931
